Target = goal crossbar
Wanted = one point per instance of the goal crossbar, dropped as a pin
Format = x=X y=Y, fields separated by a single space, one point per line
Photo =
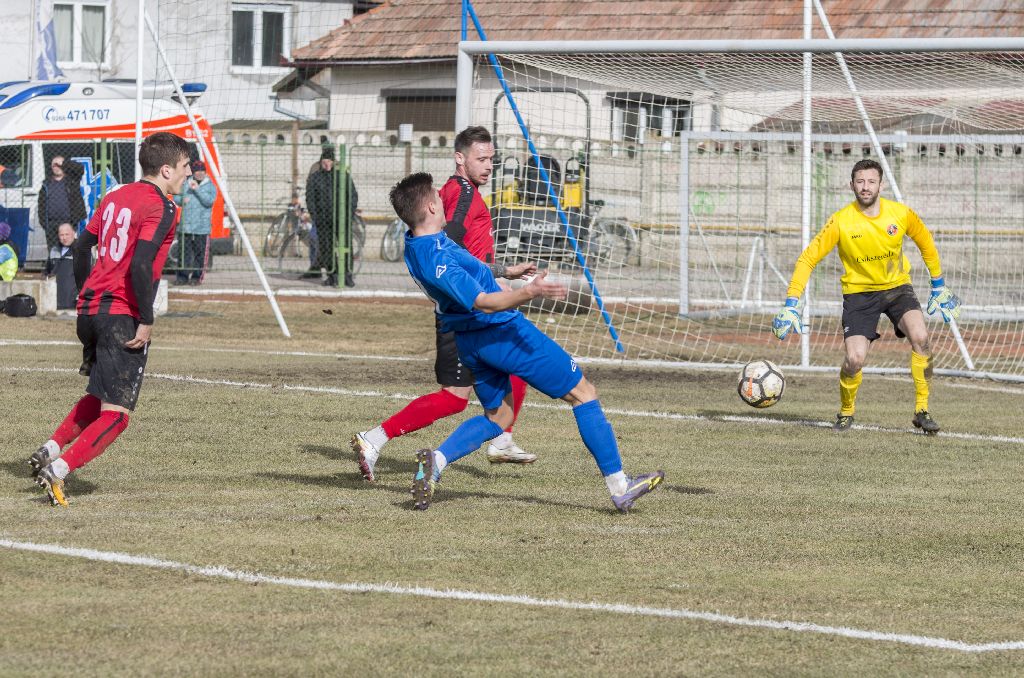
x=814 y=46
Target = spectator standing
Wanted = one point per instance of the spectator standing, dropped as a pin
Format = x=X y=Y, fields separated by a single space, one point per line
x=61 y=265
x=196 y=202
x=60 y=198
x=321 y=201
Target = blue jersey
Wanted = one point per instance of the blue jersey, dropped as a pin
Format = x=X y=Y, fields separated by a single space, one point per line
x=453 y=279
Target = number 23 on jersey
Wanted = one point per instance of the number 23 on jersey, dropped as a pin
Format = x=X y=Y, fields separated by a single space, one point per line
x=114 y=242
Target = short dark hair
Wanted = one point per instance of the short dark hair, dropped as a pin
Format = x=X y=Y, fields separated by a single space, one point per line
x=162 y=148
x=866 y=164
x=410 y=195
x=471 y=135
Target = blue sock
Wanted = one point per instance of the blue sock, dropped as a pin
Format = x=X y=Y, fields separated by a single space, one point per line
x=468 y=437
x=598 y=436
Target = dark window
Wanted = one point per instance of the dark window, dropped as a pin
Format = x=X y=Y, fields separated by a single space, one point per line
x=15 y=166
x=242 y=36
x=273 y=38
x=636 y=115
x=426 y=113
x=364 y=6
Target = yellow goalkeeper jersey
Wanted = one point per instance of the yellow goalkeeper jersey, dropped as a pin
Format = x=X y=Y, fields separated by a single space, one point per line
x=871 y=249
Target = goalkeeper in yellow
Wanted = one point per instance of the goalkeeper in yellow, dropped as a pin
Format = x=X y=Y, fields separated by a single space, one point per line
x=869 y=233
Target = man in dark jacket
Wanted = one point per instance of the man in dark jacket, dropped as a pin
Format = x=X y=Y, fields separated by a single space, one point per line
x=60 y=198
x=321 y=201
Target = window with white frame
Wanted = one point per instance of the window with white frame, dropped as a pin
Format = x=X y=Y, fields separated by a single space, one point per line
x=637 y=115
x=260 y=35
x=82 y=33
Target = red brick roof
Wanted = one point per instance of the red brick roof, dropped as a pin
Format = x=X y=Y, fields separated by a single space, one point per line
x=429 y=29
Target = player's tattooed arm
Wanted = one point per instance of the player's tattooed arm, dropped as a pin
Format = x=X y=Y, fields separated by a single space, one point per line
x=515 y=271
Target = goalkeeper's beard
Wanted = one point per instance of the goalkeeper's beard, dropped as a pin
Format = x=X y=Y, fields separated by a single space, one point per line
x=867 y=202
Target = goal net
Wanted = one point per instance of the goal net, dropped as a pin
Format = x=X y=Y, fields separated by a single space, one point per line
x=684 y=177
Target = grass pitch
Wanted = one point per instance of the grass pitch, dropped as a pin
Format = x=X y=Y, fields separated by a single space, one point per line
x=238 y=457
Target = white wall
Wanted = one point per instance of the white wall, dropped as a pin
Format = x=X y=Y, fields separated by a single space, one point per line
x=196 y=35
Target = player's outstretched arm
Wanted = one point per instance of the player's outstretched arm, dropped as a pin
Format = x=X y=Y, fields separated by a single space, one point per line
x=492 y=302
x=513 y=272
x=788 y=319
x=522 y=270
x=943 y=300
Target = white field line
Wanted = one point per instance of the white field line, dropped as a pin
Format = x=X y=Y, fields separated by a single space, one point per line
x=618 y=362
x=670 y=416
x=210 y=349
x=221 y=572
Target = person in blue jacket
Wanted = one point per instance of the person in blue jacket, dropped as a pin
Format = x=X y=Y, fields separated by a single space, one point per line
x=196 y=202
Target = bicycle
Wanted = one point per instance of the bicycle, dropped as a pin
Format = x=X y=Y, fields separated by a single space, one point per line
x=284 y=225
x=301 y=243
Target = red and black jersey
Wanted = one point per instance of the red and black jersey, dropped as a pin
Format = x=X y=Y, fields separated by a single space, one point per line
x=133 y=226
x=469 y=219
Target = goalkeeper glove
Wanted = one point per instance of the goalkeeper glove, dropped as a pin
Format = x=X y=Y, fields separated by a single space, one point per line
x=943 y=301
x=788 y=319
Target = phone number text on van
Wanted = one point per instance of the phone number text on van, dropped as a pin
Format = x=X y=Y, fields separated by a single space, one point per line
x=51 y=114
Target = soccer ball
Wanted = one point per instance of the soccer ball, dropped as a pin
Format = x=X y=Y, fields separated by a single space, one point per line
x=761 y=383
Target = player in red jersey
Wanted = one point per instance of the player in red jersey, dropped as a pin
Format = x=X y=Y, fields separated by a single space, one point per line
x=469 y=225
x=133 y=226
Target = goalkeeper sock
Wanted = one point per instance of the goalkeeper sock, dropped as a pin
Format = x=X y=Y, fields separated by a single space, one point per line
x=848 y=385
x=95 y=438
x=423 y=412
x=81 y=415
x=598 y=436
x=921 y=370
x=518 y=396
x=468 y=437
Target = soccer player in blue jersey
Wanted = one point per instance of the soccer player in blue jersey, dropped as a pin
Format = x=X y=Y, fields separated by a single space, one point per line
x=496 y=341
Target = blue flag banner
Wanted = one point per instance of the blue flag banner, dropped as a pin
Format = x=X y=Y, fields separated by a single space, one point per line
x=46 y=64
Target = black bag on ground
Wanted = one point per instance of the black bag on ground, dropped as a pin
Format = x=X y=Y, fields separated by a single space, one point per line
x=19 y=306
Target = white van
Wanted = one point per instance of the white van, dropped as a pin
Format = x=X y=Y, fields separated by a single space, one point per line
x=92 y=123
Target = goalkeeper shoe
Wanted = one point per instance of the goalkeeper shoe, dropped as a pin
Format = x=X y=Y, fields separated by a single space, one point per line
x=424 y=481
x=366 y=456
x=39 y=460
x=636 y=487
x=513 y=454
x=924 y=421
x=843 y=422
x=53 y=485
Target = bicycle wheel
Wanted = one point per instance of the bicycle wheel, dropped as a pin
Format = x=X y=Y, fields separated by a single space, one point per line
x=276 y=234
x=615 y=243
x=358 y=241
x=392 y=244
x=295 y=253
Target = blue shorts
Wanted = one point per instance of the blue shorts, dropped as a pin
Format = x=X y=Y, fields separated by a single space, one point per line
x=516 y=347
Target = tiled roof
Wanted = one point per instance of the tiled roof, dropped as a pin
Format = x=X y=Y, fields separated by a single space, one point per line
x=429 y=29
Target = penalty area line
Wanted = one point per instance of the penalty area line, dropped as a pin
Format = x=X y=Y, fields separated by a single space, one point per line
x=667 y=416
x=221 y=572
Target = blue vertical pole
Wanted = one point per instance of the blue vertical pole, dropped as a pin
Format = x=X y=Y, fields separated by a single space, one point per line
x=468 y=4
